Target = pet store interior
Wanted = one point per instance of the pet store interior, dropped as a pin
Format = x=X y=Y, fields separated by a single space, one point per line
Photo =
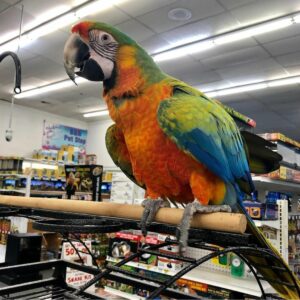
x=149 y=149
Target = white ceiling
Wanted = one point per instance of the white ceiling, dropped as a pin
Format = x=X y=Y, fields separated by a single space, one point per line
x=268 y=56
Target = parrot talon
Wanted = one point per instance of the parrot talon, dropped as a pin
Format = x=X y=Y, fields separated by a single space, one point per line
x=189 y=211
x=151 y=208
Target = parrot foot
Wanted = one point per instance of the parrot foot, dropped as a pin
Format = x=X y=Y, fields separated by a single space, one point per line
x=189 y=211
x=151 y=208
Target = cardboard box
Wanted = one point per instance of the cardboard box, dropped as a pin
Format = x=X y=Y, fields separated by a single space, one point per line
x=276 y=136
x=282 y=173
x=123 y=244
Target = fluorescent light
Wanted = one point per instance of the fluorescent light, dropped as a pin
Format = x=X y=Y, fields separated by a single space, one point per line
x=253 y=86
x=296 y=18
x=47 y=15
x=239 y=34
x=49 y=88
x=253 y=30
x=96 y=113
x=286 y=81
x=184 y=50
x=59 y=17
x=52 y=26
x=93 y=8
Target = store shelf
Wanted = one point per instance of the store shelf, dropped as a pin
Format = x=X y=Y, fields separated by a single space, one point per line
x=210 y=277
x=282 y=185
x=247 y=286
x=144 y=266
x=123 y=294
x=271 y=223
x=21 y=191
x=13 y=175
x=46 y=162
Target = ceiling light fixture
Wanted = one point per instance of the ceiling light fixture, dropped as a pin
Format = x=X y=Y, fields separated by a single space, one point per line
x=45 y=26
x=49 y=88
x=96 y=113
x=179 y=14
x=184 y=50
x=229 y=37
x=253 y=87
x=253 y=31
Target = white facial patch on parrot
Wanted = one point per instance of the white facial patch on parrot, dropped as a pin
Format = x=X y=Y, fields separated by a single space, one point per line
x=103 y=48
x=106 y=64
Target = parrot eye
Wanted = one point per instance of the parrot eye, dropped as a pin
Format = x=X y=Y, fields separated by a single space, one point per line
x=105 y=38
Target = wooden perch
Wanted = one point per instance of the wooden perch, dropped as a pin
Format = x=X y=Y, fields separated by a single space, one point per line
x=228 y=222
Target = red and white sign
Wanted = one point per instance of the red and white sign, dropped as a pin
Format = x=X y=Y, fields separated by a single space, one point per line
x=74 y=277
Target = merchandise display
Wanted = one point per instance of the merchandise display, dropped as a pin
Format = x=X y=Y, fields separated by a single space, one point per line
x=149 y=149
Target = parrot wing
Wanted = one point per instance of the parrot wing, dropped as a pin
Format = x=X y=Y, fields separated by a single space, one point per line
x=204 y=130
x=117 y=149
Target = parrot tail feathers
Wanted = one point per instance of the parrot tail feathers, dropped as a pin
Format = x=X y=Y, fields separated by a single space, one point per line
x=287 y=285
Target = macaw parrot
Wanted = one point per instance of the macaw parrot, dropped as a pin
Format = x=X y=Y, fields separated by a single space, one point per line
x=172 y=139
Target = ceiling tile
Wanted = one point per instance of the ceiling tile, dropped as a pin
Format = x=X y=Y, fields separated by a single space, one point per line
x=293 y=71
x=135 y=30
x=112 y=15
x=226 y=48
x=230 y=4
x=40 y=67
x=53 y=53
x=201 y=29
x=262 y=70
x=142 y=7
x=37 y=8
x=289 y=60
x=155 y=44
x=279 y=34
x=212 y=86
x=197 y=77
x=176 y=68
x=284 y=46
x=158 y=19
x=262 y=10
x=237 y=57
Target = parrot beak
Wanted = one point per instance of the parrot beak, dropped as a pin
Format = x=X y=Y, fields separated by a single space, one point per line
x=77 y=55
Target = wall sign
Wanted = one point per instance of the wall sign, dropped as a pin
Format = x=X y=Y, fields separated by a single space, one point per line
x=57 y=135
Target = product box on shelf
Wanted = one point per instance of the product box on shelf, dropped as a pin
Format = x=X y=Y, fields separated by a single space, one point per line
x=256 y=210
x=146 y=242
x=203 y=290
x=276 y=136
x=283 y=173
x=167 y=263
x=123 y=244
x=85 y=178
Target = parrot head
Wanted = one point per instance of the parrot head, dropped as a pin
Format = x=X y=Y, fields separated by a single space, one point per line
x=99 y=52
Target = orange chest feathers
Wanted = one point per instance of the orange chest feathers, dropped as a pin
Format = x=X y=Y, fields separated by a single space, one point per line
x=155 y=159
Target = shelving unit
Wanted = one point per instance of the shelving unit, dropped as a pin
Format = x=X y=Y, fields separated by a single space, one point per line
x=25 y=191
x=275 y=184
x=204 y=275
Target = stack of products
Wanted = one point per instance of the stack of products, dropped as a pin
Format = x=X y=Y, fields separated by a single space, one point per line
x=5 y=228
x=11 y=164
x=294 y=243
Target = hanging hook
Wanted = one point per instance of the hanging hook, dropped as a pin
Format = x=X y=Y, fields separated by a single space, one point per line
x=17 y=88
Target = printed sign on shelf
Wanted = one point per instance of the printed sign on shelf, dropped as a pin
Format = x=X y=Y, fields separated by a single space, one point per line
x=74 y=277
x=57 y=135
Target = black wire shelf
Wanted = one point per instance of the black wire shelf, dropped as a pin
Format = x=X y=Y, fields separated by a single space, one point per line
x=70 y=226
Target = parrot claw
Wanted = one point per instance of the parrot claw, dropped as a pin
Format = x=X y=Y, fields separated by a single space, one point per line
x=189 y=211
x=151 y=208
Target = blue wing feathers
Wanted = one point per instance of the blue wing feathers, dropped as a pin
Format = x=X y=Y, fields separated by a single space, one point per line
x=213 y=138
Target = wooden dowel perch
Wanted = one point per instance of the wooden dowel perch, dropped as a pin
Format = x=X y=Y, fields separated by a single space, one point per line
x=229 y=222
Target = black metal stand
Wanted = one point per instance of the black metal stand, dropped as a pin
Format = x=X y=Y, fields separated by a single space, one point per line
x=74 y=224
